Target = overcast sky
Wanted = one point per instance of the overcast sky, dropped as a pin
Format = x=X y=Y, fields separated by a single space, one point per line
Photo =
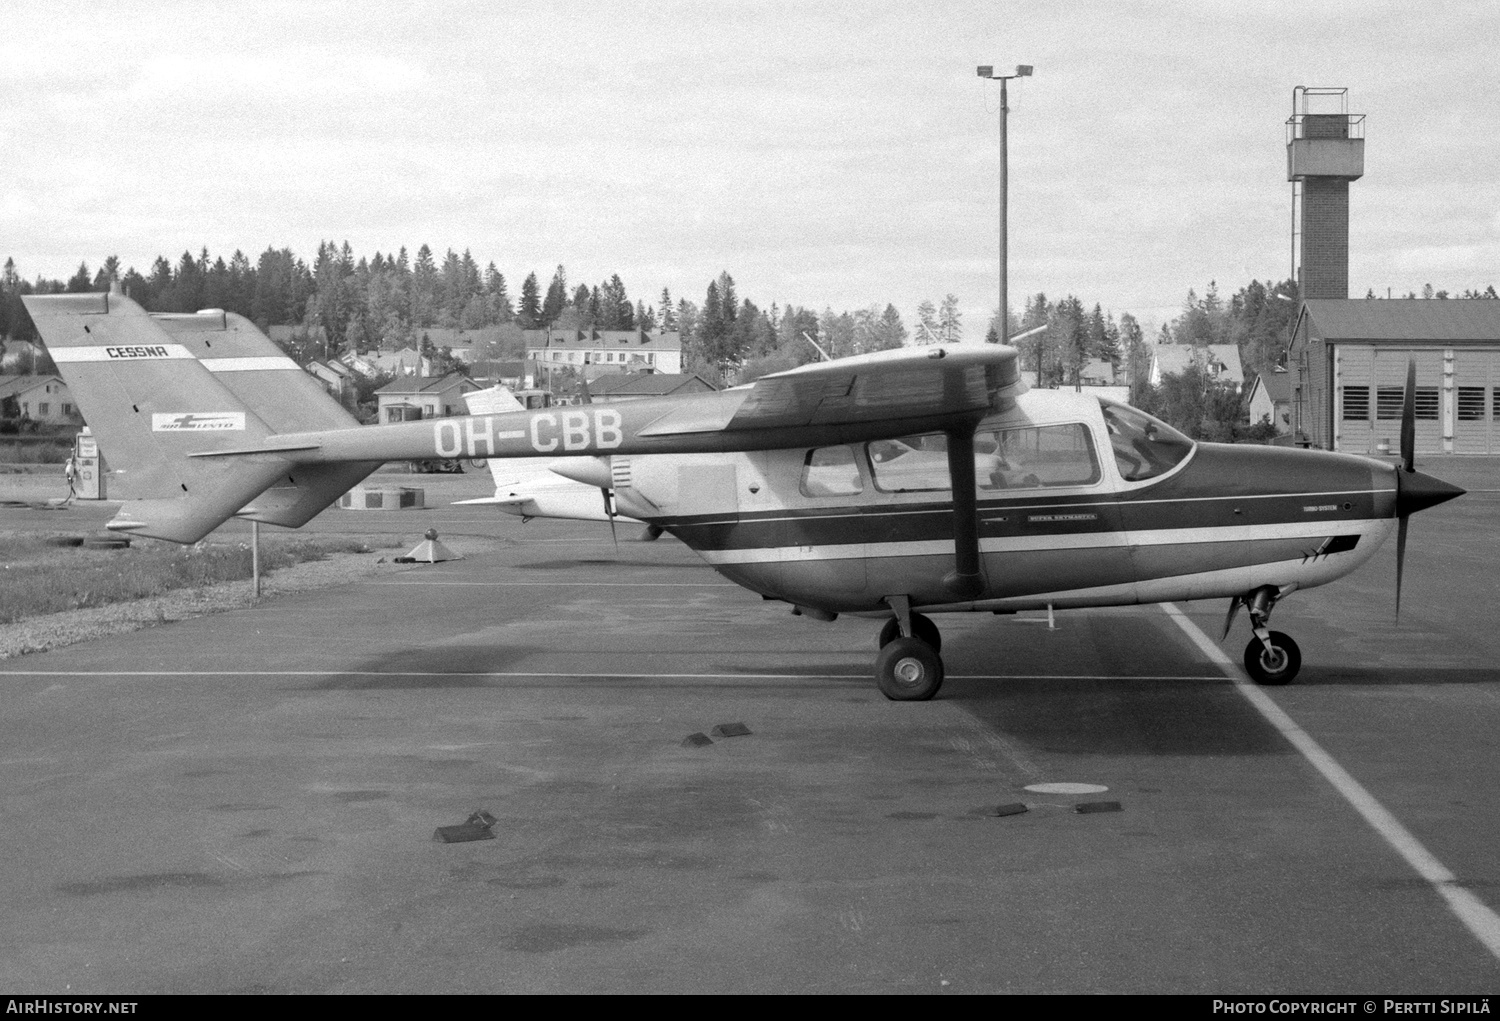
x=835 y=154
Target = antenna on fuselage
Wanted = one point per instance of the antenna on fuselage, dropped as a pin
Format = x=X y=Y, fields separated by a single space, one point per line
x=815 y=344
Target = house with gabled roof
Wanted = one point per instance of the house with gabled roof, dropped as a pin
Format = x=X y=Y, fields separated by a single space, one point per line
x=43 y=398
x=411 y=397
x=1221 y=362
x=1271 y=400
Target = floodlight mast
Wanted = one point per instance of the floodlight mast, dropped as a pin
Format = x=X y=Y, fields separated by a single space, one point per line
x=988 y=71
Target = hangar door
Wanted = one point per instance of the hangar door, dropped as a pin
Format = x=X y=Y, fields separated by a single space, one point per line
x=1476 y=376
x=1372 y=386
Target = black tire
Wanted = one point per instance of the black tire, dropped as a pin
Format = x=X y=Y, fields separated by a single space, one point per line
x=921 y=627
x=908 y=670
x=1274 y=667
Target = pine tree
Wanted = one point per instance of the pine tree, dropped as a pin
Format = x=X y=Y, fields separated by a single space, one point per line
x=950 y=322
x=530 y=312
x=927 y=323
x=557 y=297
x=497 y=296
x=668 y=312
x=423 y=296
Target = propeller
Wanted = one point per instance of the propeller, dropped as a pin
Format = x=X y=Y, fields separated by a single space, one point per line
x=1414 y=490
x=609 y=506
x=1408 y=466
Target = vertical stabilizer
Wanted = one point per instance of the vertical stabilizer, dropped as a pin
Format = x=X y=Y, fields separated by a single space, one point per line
x=151 y=404
x=280 y=393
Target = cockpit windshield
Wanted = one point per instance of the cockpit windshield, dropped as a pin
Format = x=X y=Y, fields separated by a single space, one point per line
x=1145 y=447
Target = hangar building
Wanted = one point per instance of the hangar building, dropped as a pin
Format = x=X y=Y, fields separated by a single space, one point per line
x=1349 y=360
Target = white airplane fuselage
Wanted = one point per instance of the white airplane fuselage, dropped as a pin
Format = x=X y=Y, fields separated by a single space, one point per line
x=1059 y=522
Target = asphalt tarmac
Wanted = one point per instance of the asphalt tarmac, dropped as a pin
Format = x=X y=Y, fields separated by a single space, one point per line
x=246 y=802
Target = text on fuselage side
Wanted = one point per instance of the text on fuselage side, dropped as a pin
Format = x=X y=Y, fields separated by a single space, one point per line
x=549 y=432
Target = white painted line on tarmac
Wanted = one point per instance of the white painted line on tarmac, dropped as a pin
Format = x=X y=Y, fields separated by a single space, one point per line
x=1473 y=912
x=497 y=674
x=575 y=581
x=511 y=674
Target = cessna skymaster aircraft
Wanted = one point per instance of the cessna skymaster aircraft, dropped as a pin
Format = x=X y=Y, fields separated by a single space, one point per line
x=893 y=485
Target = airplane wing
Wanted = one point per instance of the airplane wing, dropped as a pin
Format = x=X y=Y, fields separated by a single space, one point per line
x=892 y=393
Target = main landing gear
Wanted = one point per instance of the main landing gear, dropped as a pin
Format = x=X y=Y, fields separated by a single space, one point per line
x=1271 y=658
x=908 y=668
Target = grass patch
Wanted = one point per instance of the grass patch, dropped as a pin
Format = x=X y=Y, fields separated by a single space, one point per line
x=37 y=578
x=14 y=451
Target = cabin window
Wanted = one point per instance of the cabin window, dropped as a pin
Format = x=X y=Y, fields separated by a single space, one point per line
x=1034 y=457
x=1043 y=457
x=1144 y=447
x=831 y=471
x=911 y=464
x=1471 y=404
x=1356 y=403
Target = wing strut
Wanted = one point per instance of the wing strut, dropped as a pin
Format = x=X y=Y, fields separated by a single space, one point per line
x=964 y=580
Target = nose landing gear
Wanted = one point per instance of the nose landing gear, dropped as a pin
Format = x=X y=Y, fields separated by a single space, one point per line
x=1271 y=658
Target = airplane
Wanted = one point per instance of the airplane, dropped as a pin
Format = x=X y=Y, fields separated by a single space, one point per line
x=896 y=485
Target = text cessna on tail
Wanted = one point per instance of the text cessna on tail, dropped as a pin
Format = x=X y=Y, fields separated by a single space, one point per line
x=893 y=485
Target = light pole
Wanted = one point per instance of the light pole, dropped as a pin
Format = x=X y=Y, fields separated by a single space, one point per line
x=987 y=71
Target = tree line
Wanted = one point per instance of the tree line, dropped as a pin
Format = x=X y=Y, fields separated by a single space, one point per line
x=387 y=300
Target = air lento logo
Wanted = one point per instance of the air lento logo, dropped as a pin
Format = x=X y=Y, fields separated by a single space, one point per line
x=198 y=421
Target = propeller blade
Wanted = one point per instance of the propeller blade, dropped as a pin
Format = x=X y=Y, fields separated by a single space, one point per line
x=1400 y=559
x=609 y=512
x=1409 y=418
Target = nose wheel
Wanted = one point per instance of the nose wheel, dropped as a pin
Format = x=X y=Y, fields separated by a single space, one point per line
x=1271 y=658
x=908 y=668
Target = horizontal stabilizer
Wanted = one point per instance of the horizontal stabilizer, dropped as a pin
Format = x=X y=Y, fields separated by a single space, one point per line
x=277 y=389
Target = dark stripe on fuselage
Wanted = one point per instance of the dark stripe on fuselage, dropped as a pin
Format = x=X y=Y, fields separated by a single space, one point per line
x=1221 y=487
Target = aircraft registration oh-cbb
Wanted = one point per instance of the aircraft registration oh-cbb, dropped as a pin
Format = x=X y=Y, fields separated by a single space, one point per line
x=898 y=485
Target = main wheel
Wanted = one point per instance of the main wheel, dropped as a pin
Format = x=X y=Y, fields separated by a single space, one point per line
x=1277 y=665
x=908 y=670
x=921 y=627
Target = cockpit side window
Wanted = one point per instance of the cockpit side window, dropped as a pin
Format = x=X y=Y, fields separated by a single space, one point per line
x=831 y=471
x=1144 y=447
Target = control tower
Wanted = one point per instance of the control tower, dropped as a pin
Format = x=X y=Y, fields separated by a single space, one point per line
x=1325 y=150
